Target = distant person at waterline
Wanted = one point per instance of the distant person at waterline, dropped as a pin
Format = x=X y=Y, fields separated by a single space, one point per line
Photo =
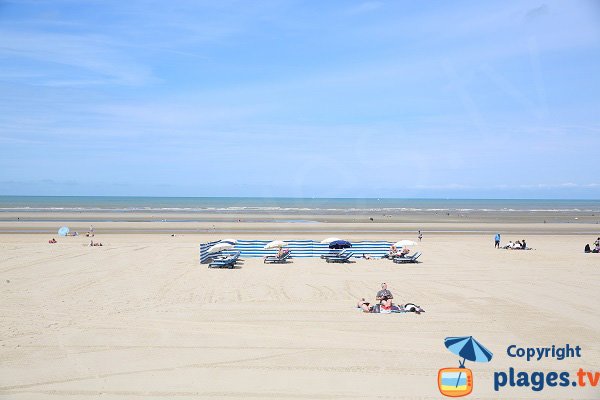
x=497 y=241
x=420 y=236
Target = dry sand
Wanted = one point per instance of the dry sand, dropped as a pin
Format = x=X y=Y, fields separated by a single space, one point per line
x=141 y=318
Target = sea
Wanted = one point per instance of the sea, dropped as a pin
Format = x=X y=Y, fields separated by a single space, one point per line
x=286 y=205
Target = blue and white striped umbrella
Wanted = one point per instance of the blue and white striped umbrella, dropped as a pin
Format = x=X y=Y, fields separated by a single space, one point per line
x=468 y=348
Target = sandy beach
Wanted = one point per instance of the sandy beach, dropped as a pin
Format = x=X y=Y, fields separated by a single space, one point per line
x=135 y=137
x=141 y=318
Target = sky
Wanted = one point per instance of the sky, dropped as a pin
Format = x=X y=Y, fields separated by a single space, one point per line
x=461 y=99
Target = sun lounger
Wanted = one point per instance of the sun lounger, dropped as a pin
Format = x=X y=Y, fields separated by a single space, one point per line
x=228 y=262
x=334 y=253
x=407 y=259
x=340 y=259
x=277 y=259
x=224 y=263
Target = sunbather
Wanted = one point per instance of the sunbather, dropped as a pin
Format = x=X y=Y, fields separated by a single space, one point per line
x=404 y=252
x=364 y=305
x=280 y=253
x=52 y=241
x=392 y=251
x=384 y=296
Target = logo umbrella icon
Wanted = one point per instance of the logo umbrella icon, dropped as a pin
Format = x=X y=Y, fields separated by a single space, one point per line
x=456 y=382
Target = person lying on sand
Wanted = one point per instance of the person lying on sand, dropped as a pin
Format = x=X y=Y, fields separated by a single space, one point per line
x=52 y=240
x=95 y=244
x=364 y=305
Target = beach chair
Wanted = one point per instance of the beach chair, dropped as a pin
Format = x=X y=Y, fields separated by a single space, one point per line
x=276 y=259
x=407 y=259
x=221 y=256
x=334 y=253
x=345 y=257
x=228 y=262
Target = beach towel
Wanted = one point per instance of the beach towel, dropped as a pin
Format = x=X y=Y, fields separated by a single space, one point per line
x=395 y=309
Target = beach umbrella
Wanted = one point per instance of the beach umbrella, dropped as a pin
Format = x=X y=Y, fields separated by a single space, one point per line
x=275 y=244
x=220 y=247
x=469 y=349
x=404 y=243
x=329 y=240
x=340 y=244
x=63 y=231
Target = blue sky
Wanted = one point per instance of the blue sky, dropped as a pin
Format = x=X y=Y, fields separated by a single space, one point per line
x=300 y=98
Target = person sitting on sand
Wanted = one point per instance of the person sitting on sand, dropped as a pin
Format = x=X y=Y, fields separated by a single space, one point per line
x=366 y=256
x=523 y=245
x=587 y=248
x=509 y=245
x=384 y=296
x=52 y=241
x=597 y=242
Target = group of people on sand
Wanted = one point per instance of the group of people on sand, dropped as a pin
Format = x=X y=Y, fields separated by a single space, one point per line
x=518 y=245
x=393 y=252
x=596 y=249
x=385 y=305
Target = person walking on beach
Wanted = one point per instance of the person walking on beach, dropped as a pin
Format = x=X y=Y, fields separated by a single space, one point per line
x=384 y=296
x=497 y=241
x=420 y=236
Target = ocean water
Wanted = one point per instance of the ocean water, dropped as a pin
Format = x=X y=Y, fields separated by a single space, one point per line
x=33 y=204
